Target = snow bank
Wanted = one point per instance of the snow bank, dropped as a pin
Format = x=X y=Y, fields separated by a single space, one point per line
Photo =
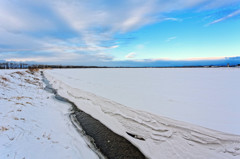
x=156 y=136
x=33 y=124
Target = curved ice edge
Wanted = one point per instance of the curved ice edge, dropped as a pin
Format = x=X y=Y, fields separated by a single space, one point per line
x=163 y=136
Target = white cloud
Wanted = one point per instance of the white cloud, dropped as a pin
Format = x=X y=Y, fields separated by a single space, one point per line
x=173 y=19
x=218 y=3
x=171 y=38
x=99 y=21
x=140 y=46
x=235 y=13
x=81 y=27
x=130 y=55
x=18 y=18
x=59 y=56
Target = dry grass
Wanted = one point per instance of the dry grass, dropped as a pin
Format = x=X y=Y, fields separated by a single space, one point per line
x=3 y=84
x=21 y=97
x=32 y=70
x=19 y=73
x=47 y=136
x=4 y=79
x=19 y=104
x=37 y=79
x=18 y=98
x=29 y=103
x=2 y=128
x=36 y=83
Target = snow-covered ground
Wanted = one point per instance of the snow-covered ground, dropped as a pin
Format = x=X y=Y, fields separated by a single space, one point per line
x=33 y=125
x=195 y=95
x=207 y=97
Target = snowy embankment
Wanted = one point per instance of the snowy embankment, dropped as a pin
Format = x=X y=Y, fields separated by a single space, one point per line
x=33 y=124
x=156 y=136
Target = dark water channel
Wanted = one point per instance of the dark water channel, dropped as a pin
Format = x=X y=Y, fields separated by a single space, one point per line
x=101 y=139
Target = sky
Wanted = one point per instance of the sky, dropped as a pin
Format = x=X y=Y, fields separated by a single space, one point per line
x=126 y=32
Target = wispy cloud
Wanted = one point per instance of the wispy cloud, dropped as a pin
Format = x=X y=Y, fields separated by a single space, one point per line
x=171 y=38
x=140 y=46
x=173 y=19
x=235 y=13
x=61 y=48
x=131 y=55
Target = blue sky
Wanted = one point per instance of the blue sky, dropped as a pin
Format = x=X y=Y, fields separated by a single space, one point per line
x=106 y=32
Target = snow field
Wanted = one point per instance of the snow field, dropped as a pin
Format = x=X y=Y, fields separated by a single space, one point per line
x=208 y=97
x=162 y=137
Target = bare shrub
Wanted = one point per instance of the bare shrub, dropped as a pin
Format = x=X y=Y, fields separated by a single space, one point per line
x=19 y=73
x=2 y=128
x=32 y=70
x=34 y=82
x=4 y=79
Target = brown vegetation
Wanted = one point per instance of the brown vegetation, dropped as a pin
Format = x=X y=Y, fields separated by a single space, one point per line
x=21 y=97
x=19 y=104
x=2 y=128
x=33 y=82
x=4 y=79
x=19 y=73
x=32 y=70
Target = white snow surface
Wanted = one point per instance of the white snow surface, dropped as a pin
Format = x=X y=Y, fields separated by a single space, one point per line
x=208 y=97
x=149 y=93
x=33 y=125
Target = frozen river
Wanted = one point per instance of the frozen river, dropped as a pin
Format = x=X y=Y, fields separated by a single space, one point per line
x=207 y=97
